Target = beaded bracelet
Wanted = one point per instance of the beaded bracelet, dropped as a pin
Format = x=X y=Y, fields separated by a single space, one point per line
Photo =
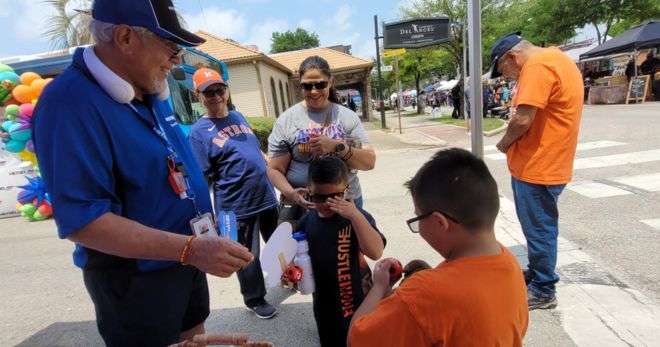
x=348 y=154
x=186 y=250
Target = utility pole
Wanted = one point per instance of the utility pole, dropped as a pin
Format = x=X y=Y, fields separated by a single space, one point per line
x=380 y=77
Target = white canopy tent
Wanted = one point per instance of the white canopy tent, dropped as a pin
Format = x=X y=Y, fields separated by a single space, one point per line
x=445 y=85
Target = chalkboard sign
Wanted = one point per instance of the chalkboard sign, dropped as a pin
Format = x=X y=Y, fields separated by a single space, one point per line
x=637 y=89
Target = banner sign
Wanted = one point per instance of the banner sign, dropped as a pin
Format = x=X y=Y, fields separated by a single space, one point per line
x=416 y=33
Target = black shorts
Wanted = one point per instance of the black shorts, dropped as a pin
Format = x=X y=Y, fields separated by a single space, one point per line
x=148 y=308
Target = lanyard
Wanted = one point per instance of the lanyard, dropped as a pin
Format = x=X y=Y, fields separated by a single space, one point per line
x=158 y=130
x=173 y=160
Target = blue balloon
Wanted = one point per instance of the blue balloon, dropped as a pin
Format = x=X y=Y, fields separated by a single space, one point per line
x=14 y=126
x=14 y=146
x=10 y=75
x=21 y=135
x=6 y=125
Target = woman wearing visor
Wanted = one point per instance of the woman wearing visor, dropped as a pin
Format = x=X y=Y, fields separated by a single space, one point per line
x=228 y=152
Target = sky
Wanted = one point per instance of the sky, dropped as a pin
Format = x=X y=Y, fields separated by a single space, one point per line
x=22 y=23
x=250 y=22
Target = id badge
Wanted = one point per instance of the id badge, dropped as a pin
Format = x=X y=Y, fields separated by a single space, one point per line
x=203 y=225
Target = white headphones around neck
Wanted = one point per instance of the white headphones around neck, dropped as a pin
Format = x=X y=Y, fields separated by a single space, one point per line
x=118 y=89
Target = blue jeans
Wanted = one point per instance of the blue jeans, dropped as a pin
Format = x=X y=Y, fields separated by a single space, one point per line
x=536 y=206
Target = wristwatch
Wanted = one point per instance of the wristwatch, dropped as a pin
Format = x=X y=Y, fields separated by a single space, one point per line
x=340 y=147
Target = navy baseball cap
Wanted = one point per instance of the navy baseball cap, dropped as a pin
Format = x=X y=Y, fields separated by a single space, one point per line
x=501 y=46
x=158 y=16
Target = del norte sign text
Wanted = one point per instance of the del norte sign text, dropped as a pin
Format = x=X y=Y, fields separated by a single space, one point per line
x=416 y=33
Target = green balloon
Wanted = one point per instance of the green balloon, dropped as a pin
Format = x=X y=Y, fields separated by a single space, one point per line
x=28 y=209
x=38 y=216
x=4 y=68
x=12 y=110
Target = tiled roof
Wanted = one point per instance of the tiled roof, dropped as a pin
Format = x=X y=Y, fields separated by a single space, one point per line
x=229 y=52
x=338 y=61
x=223 y=49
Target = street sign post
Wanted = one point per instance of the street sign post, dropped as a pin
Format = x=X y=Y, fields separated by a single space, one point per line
x=398 y=91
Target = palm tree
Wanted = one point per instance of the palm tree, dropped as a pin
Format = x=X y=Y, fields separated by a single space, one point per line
x=69 y=29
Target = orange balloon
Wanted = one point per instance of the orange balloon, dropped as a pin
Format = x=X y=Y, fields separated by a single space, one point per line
x=38 y=86
x=28 y=77
x=23 y=94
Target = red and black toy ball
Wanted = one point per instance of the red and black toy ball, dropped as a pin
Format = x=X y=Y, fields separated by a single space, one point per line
x=293 y=273
x=396 y=270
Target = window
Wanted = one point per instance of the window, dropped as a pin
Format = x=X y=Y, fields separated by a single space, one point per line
x=272 y=89
x=282 y=96
x=288 y=94
x=187 y=109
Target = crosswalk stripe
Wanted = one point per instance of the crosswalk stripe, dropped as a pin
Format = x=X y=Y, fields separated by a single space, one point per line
x=653 y=223
x=648 y=182
x=593 y=189
x=617 y=159
x=593 y=314
x=580 y=147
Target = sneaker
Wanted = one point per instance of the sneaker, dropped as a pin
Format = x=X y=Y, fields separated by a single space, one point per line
x=537 y=302
x=528 y=274
x=263 y=309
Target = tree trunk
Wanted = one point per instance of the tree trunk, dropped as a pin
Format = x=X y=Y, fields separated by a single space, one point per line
x=419 y=106
x=597 y=33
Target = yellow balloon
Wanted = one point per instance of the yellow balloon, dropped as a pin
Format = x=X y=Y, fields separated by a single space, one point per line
x=28 y=156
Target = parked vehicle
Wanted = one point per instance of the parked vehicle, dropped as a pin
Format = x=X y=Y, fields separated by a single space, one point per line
x=183 y=101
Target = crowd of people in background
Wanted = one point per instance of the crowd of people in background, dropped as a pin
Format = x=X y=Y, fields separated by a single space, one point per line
x=496 y=96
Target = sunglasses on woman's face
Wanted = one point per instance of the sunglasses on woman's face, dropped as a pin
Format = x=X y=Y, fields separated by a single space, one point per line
x=317 y=85
x=321 y=198
x=219 y=91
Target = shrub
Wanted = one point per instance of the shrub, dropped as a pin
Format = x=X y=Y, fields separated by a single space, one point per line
x=262 y=127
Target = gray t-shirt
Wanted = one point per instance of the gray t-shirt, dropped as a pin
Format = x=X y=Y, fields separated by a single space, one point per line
x=291 y=134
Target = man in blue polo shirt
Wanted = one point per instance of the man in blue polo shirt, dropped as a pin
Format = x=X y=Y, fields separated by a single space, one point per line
x=124 y=183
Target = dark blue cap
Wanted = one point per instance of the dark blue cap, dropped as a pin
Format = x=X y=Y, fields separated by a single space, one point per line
x=501 y=46
x=158 y=16
x=300 y=236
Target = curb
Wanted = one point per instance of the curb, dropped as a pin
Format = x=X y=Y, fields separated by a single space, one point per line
x=420 y=139
x=496 y=131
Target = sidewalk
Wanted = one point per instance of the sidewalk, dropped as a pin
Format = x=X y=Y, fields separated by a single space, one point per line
x=420 y=130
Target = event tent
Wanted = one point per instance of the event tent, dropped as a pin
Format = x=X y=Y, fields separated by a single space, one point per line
x=646 y=35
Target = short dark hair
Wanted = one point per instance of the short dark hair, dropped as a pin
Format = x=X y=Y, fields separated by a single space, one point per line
x=458 y=183
x=327 y=170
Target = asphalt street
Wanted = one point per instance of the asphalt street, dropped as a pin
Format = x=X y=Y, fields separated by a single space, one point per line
x=609 y=227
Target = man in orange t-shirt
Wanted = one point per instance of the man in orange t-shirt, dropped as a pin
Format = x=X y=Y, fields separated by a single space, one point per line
x=540 y=144
x=477 y=296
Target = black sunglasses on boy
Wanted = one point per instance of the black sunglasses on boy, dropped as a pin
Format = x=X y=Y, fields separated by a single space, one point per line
x=320 y=198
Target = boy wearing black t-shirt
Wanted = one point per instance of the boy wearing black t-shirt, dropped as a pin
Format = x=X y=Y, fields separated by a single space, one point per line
x=339 y=234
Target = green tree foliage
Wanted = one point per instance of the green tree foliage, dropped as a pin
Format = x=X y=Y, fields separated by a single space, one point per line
x=67 y=26
x=498 y=17
x=418 y=64
x=293 y=41
x=554 y=21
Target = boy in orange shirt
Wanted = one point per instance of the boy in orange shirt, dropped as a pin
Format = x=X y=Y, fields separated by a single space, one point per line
x=477 y=296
